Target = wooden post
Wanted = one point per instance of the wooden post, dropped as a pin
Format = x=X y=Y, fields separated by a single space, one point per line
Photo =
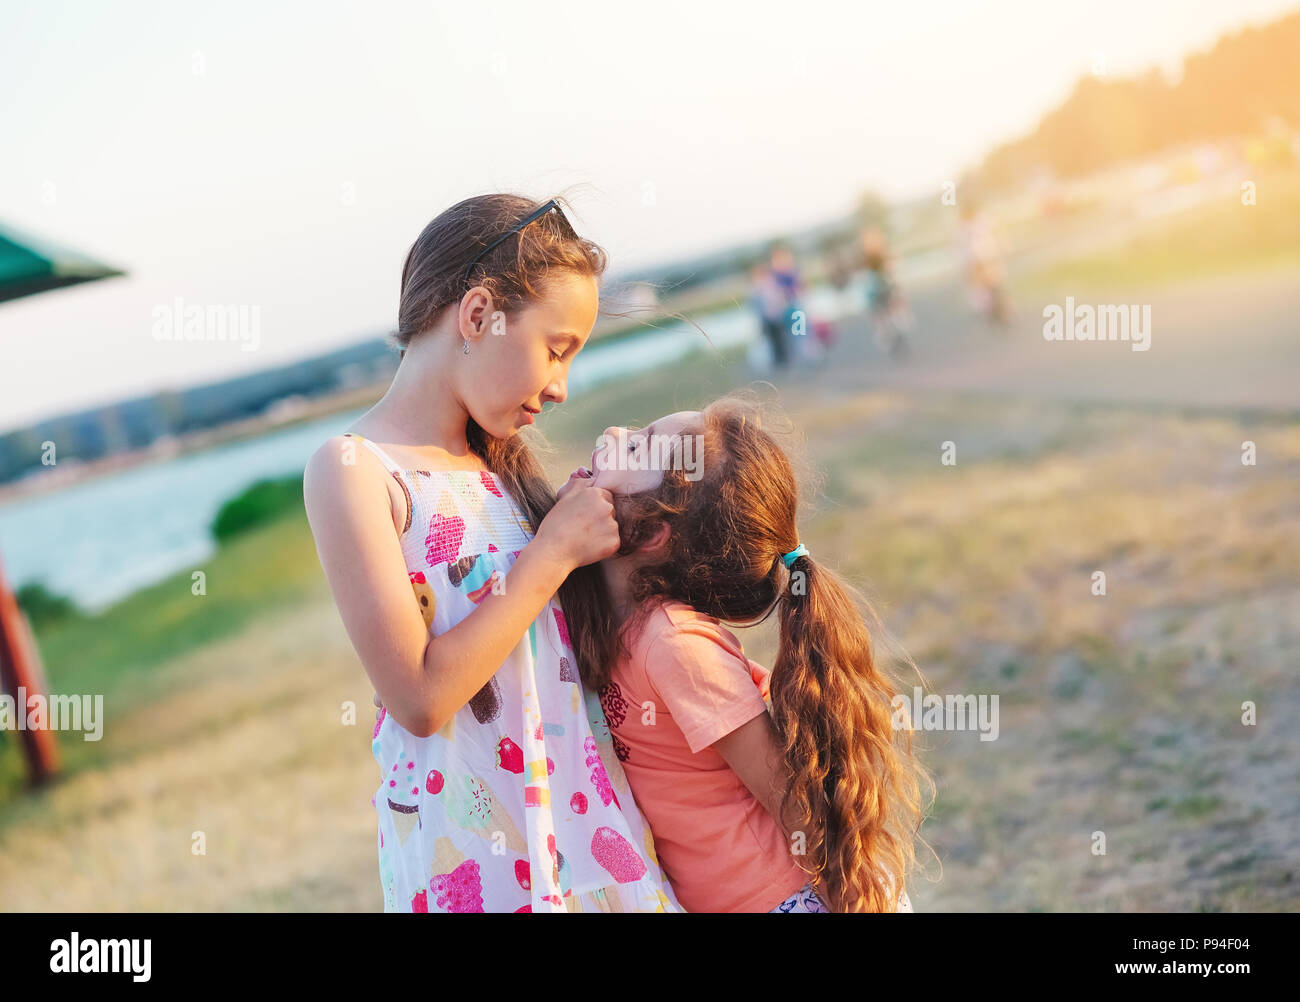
x=20 y=667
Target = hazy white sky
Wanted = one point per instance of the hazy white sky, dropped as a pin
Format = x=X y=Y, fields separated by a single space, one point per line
x=285 y=155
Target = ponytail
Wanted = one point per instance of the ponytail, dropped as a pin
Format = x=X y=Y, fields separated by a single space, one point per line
x=850 y=776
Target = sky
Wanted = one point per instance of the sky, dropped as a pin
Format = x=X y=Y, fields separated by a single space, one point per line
x=284 y=156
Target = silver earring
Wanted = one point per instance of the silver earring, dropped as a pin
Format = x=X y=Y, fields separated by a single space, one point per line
x=466 y=347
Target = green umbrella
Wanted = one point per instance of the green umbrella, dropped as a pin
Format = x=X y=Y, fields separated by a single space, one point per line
x=29 y=265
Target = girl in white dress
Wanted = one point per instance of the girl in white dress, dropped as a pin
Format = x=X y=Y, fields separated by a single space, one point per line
x=445 y=550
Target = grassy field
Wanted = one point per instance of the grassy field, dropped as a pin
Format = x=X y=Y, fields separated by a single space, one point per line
x=1221 y=237
x=226 y=713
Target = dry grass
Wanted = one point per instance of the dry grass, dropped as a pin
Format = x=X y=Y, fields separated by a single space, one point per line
x=253 y=755
x=1118 y=714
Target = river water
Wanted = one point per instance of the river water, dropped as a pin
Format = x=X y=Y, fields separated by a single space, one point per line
x=101 y=539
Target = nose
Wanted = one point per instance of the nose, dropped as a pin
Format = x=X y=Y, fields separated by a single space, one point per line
x=610 y=434
x=557 y=391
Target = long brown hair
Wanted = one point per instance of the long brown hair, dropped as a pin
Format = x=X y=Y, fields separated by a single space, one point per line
x=516 y=273
x=852 y=780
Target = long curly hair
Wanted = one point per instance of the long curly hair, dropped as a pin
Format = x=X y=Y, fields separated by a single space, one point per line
x=853 y=780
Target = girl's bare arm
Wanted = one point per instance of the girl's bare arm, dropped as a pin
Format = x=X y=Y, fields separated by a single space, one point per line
x=753 y=754
x=424 y=680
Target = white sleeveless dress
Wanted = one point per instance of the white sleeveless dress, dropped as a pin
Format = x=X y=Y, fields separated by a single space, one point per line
x=518 y=803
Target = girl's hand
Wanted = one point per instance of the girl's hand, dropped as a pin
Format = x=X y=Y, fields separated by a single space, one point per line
x=582 y=473
x=580 y=528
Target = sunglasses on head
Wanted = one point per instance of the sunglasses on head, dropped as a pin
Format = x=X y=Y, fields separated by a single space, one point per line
x=531 y=218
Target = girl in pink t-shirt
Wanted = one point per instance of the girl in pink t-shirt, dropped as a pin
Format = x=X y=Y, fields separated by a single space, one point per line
x=788 y=793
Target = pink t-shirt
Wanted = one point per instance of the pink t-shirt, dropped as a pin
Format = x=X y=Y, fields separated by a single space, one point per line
x=719 y=847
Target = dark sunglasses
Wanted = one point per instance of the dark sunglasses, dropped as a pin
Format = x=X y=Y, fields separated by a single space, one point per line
x=531 y=218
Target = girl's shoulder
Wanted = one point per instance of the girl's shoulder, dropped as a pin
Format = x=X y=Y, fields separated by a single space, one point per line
x=333 y=468
x=675 y=635
x=678 y=623
x=684 y=617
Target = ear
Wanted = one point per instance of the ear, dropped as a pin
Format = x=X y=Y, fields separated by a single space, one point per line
x=475 y=316
x=657 y=543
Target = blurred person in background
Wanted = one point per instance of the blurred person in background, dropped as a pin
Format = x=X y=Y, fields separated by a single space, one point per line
x=768 y=302
x=981 y=262
x=840 y=272
x=790 y=284
x=891 y=316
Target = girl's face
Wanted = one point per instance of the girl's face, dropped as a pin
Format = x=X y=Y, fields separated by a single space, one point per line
x=518 y=363
x=628 y=462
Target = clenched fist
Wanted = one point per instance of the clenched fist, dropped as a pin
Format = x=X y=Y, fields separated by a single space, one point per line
x=580 y=528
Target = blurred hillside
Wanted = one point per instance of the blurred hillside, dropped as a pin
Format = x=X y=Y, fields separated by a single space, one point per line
x=1247 y=85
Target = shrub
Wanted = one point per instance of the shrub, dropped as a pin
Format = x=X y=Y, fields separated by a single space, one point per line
x=264 y=501
x=42 y=605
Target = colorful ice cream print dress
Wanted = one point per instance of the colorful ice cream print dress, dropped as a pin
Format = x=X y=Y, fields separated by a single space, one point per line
x=518 y=803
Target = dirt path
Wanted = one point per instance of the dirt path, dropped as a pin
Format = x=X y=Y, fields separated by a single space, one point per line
x=1230 y=342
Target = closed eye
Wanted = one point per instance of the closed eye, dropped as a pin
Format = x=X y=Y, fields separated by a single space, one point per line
x=572 y=345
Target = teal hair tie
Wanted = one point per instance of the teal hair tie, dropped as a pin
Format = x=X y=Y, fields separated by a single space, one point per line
x=795 y=554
